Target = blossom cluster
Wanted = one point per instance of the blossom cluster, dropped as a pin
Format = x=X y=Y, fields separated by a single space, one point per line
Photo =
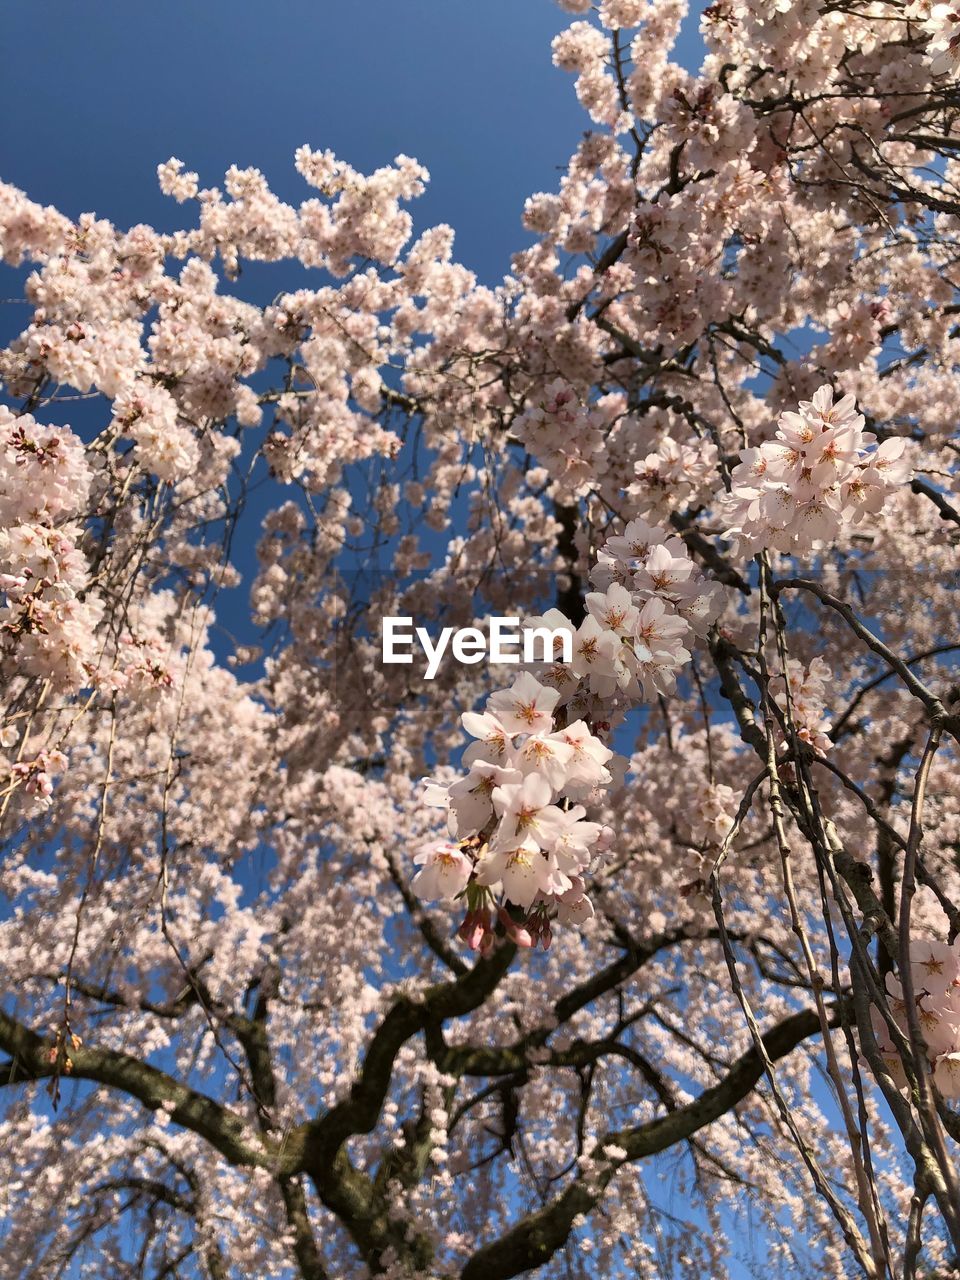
x=513 y=816
x=935 y=971
x=670 y=476
x=47 y=622
x=567 y=437
x=805 y=689
x=148 y=415
x=517 y=822
x=820 y=472
x=944 y=28
x=585 y=50
x=674 y=601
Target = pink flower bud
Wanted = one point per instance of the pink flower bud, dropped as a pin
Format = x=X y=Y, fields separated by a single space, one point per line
x=515 y=932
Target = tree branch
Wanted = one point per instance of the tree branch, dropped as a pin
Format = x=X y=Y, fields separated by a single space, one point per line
x=536 y=1238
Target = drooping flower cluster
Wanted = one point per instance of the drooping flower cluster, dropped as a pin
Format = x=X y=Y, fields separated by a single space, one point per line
x=583 y=49
x=566 y=436
x=148 y=414
x=820 y=472
x=47 y=625
x=806 y=690
x=518 y=817
x=517 y=825
x=703 y=826
x=670 y=475
x=935 y=972
x=651 y=572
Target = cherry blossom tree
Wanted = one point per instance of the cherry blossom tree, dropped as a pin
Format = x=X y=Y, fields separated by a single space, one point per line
x=643 y=960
